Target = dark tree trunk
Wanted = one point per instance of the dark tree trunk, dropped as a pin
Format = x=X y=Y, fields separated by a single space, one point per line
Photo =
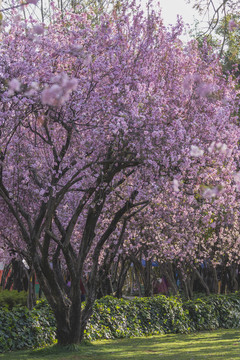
x=232 y=273
x=201 y=280
x=189 y=282
x=147 y=279
x=168 y=272
x=224 y=279
x=68 y=314
x=183 y=284
x=137 y=277
x=122 y=277
x=31 y=299
x=214 y=280
x=238 y=276
x=105 y=284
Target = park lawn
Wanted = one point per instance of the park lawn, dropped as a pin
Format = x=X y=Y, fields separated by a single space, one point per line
x=215 y=345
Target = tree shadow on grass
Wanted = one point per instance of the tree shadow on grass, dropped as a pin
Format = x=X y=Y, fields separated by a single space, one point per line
x=215 y=345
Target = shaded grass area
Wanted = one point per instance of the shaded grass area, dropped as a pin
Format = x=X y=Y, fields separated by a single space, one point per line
x=215 y=345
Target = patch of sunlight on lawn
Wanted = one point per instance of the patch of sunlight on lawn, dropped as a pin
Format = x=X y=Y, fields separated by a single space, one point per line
x=215 y=345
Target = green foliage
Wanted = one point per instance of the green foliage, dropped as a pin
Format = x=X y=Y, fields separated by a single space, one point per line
x=202 y=315
x=12 y=298
x=115 y=318
x=119 y=318
x=22 y=328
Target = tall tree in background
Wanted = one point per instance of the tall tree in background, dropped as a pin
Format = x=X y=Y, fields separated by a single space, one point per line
x=217 y=17
x=43 y=10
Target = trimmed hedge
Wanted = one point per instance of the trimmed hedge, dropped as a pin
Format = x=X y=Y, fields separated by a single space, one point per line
x=117 y=318
x=22 y=328
x=114 y=318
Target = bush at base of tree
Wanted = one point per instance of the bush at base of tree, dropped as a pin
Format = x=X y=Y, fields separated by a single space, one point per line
x=22 y=328
x=12 y=298
x=113 y=318
x=118 y=318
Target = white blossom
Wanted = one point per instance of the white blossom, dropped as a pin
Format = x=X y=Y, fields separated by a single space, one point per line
x=196 y=151
x=175 y=185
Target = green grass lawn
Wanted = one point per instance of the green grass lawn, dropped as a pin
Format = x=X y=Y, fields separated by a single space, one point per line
x=215 y=345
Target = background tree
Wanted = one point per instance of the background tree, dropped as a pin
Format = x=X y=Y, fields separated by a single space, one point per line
x=219 y=18
x=43 y=11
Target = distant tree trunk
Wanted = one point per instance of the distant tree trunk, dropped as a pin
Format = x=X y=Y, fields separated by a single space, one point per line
x=184 y=285
x=168 y=271
x=214 y=280
x=31 y=300
x=201 y=280
x=147 y=279
x=146 y=276
x=189 y=282
x=223 y=279
x=238 y=276
x=105 y=285
x=122 y=277
x=232 y=274
x=137 y=277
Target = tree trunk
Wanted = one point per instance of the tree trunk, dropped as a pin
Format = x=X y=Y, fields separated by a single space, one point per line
x=232 y=273
x=31 y=299
x=168 y=272
x=201 y=280
x=224 y=279
x=214 y=281
x=147 y=278
x=138 y=281
x=122 y=277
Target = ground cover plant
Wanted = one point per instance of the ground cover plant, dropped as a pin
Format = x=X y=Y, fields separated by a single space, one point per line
x=214 y=345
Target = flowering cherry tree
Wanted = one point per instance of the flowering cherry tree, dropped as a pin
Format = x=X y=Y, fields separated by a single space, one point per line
x=97 y=124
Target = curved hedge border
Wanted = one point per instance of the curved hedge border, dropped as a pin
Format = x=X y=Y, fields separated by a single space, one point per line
x=117 y=318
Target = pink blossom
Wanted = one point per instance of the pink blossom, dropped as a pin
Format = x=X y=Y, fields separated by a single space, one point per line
x=52 y=96
x=210 y=192
x=38 y=29
x=232 y=25
x=204 y=89
x=14 y=85
x=34 y=2
x=237 y=177
x=59 y=93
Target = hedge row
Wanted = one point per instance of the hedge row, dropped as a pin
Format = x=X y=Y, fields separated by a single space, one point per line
x=117 y=318
x=21 y=328
x=113 y=318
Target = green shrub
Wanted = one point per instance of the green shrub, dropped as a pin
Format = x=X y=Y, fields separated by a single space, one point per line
x=22 y=328
x=113 y=318
x=118 y=318
x=227 y=309
x=12 y=298
x=202 y=315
